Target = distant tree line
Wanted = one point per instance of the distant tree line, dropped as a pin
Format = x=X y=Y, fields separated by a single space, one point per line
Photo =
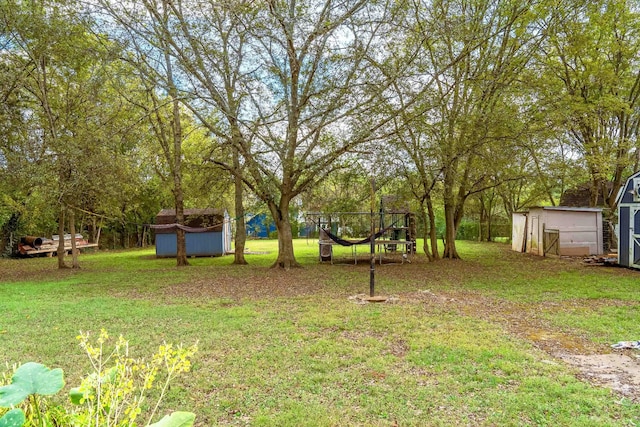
x=466 y=108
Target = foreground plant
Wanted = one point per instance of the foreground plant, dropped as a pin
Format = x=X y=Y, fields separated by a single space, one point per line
x=28 y=383
x=114 y=393
x=111 y=396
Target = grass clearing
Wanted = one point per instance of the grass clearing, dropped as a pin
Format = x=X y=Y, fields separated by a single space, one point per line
x=455 y=346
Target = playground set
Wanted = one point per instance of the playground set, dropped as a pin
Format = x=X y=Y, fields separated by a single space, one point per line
x=389 y=233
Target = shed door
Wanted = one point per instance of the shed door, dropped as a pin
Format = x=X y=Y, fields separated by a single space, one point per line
x=534 y=236
x=634 y=237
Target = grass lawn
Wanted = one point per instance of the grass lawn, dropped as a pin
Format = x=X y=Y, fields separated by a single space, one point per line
x=467 y=342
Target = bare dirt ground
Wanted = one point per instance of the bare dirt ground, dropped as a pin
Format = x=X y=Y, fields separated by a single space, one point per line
x=598 y=364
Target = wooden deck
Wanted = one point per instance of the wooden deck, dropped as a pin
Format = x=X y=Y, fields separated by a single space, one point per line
x=28 y=250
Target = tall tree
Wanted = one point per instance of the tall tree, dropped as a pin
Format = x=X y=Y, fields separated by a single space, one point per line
x=75 y=130
x=279 y=82
x=418 y=164
x=167 y=32
x=591 y=80
x=62 y=74
x=148 y=37
x=21 y=150
x=476 y=50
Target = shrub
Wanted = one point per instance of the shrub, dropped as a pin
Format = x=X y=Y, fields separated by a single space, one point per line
x=111 y=396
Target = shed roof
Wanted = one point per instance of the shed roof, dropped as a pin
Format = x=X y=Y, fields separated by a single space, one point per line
x=580 y=196
x=624 y=195
x=197 y=218
x=192 y=212
x=565 y=208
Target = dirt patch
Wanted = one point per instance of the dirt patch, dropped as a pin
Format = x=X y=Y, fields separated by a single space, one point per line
x=258 y=283
x=599 y=364
x=620 y=372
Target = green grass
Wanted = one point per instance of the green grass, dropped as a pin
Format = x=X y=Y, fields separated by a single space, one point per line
x=293 y=349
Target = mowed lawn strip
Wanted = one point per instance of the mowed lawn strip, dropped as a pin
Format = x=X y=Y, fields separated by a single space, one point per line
x=296 y=348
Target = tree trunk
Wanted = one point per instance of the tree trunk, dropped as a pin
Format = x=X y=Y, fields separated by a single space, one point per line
x=430 y=236
x=144 y=236
x=241 y=228
x=490 y=203
x=181 y=241
x=123 y=235
x=450 y=250
x=181 y=251
x=72 y=231
x=433 y=235
x=594 y=192
x=450 y=231
x=176 y=134
x=425 y=233
x=286 y=257
x=482 y=233
x=97 y=242
x=6 y=234
x=61 y=250
x=93 y=228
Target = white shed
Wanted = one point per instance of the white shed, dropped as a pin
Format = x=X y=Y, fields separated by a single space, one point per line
x=558 y=230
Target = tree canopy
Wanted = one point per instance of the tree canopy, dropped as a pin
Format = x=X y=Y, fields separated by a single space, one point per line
x=112 y=110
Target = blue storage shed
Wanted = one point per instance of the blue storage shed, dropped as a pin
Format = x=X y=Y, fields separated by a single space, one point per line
x=207 y=232
x=260 y=226
x=628 y=202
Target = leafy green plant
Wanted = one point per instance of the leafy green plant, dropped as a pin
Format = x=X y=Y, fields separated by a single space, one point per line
x=111 y=396
x=176 y=419
x=114 y=393
x=13 y=418
x=29 y=381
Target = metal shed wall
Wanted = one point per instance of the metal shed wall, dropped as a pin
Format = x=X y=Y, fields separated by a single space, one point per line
x=580 y=230
x=211 y=243
x=198 y=244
